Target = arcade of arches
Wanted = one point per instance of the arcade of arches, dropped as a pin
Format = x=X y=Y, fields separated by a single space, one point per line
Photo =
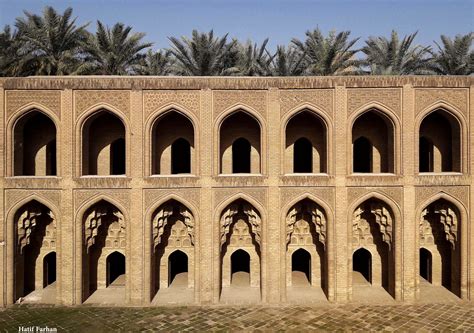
x=159 y=191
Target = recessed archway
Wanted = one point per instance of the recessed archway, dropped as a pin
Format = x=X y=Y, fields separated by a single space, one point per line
x=426 y=265
x=240 y=268
x=178 y=264
x=103 y=145
x=440 y=143
x=301 y=263
x=306 y=146
x=236 y=128
x=104 y=240
x=35 y=246
x=115 y=269
x=34 y=153
x=362 y=263
x=172 y=144
x=378 y=130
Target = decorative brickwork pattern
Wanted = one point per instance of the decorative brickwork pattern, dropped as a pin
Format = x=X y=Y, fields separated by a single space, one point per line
x=12 y=197
x=17 y=99
x=448 y=219
x=317 y=216
x=121 y=196
x=325 y=194
x=394 y=193
x=164 y=215
x=84 y=99
x=459 y=192
x=455 y=97
x=361 y=231
x=322 y=98
x=390 y=97
x=223 y=100
x=154 y=195
x=259 y=194
x=155 y=100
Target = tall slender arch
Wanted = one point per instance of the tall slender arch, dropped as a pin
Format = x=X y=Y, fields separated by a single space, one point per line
x=306 y=146
x=239 y=125
x=34 y=136
x=378 y=130
x=172 y=144
x=439 y=143
x=103 y=144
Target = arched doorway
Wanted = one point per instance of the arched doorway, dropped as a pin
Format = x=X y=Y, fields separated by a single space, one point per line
x=301 y=263
x=49 y=269
x=172 y=144
x=34 y=151
x=303 y=156
x=305 y=146
x=440 y=143
x=426 y=264
x=362 y=263
x=240 y=144
x=180 y=156
x=376 y=153
x=362 y=155
x=178 y=264
x=241 y=156
x=240 y=267
x=103 y=145
x=115 y=269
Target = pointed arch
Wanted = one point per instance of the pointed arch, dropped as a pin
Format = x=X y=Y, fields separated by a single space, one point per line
x=191 y=134
x=458 y=145
x=255 y=133
x=84 y=164
x=323 y=154
x=386 y=156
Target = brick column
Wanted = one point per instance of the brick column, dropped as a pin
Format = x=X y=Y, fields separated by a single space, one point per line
x=3 y=267
x=208 y=282
x=135 y=258
x=470 y=158
x=275 y=263
x=407 y=279
x=341 y=245
x=65 y=247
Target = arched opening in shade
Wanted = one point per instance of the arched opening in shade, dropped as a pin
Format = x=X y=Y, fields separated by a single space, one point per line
x=240 y=262
x=301 y=262
x=303 y=156
x=178 y=263
x=49 y=269
x=115 y=267
x=362 y=263
x=180 y=156
x=426 y=264
x=241 y=156
x=362 y=155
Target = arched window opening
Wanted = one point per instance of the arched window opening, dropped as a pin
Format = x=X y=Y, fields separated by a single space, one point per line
x=35 y=145
x=303 y=156
x=426 y=264
x=241 y=156
x=115 y=269
x=117 y=158
x=178 y=264
x=172 y=144
x=240 y=263
x=49 y=269
x=240 y=146
x=180 y=156
x=426 y=153
x=305 y=149
x=301 y=263
x=362 y=263
x=103 y=145
x=362 y=155
x=440 y=143
x=379 y=131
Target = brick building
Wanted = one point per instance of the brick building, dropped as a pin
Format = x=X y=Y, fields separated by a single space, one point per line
x=244 y=189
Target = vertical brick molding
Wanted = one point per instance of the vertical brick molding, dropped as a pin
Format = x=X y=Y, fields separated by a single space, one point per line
x=471 y=213
x=341 y=247
x=137 y=226
x=65 y=232
x=2 y=193
x=407 y=280
x=207 y=284
x=275 y=269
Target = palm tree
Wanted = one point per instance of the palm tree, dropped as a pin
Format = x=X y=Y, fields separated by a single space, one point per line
x=454 y=57
x=331 y=55
x=287 y=62
x=392 y=57
x=156 y=63
x=253 y=60
x=51 y=44
x=8 y=52
x=203 y=54
x=114 y=51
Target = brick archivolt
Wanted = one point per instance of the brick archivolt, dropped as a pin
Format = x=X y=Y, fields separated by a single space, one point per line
x=19 y=99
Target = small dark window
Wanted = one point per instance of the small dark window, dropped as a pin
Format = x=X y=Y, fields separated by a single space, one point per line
x=303 y=156
x=115 y=267
x=362 y=263
x=362 y=155
x=117 y=158
x=426 y=155
x=180 y=156
x=241 y=156
x=178 y=263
